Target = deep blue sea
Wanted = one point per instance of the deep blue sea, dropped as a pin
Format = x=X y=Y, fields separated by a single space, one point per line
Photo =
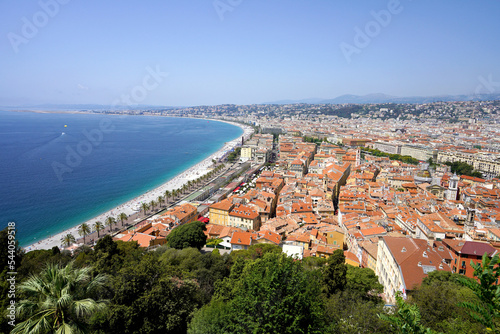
x=59 y=170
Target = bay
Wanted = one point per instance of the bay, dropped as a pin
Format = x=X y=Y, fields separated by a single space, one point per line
x=58 y=170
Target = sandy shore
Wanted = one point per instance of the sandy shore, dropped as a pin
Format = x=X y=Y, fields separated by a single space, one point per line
x=134 y=205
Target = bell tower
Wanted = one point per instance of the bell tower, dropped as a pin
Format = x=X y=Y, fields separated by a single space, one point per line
x=451 y=192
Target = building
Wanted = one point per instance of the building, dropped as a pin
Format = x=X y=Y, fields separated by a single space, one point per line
x=388 y=147
x=247 y=153
x=487 y=164
x=463 y=252
x=184 y=213
x=244 y=217
x=241 y=240
x=219 y=212
x=421 y=153
x=402 y=264
x=452 y=191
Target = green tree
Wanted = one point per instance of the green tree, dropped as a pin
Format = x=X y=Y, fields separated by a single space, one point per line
x=188 y=235
x=349 y=312
x=144 y=207
x=406 y=318
x=463 y=168
x=109 y=222
x=98 y=226
x=68 y=239
x=84 y=229
x=160 y=199
x=122 y=216
x=273 y=294
x=363 y=281
x=487 y=311
x=438 y=300
x=335 y=273
x=58 y=300
x=167 y=195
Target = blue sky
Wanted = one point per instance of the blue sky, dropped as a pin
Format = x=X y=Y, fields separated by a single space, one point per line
x=243 y=51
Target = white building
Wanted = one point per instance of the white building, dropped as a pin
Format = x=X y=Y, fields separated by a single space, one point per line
x=402 y=264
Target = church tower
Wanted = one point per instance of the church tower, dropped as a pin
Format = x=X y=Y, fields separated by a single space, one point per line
x=451 y=192
x=469 y=222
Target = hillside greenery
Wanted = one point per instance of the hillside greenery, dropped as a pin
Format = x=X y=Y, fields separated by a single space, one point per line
x=259 y=290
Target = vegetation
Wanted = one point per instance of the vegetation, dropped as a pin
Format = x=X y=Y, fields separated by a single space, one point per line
x=98 y=226
x=403 y=158
x=109 y=222
x=188 y=235
x=68 y=239
x=83 y=230
x=58 y=300
x=235 y=155
x=486 y=310
x=273 y=294
x=122 y=216
x=406 y=319
x=120 y=288
x=313 y=140
x=462 y=168
x=344 y=111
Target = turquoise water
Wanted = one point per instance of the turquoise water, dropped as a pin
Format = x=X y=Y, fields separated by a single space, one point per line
x=58 y=170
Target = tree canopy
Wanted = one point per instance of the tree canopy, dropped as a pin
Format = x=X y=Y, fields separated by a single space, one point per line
x=259 y=290
x=188 y=235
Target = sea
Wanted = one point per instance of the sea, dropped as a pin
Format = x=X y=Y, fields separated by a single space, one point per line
x=58 y=170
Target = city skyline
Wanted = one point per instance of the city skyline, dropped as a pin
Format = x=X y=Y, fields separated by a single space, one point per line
x=241 y=52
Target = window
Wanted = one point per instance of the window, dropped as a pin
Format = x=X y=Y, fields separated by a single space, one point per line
x=463 y=263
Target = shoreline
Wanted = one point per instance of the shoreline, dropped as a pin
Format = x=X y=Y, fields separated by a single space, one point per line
x=133 y=206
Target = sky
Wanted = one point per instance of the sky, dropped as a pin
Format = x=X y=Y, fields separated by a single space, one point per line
x=209 y=52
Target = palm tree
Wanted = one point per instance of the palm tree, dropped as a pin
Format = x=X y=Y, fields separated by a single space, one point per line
x=167 y=195
x=57 y=300
x=109 y=222
x=68 y=239
x=98 y=226
x=152 y=204
x=145 y=207
x=189 y=184
x=160 y=200
x=122 y=216
x=84 y=229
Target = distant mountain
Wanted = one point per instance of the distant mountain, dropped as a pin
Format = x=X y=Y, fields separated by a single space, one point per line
x=383 y=98
x=309 y=101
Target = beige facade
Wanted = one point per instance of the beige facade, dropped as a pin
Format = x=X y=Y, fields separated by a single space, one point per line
x=418 y=152
x=247 y=153
x=486 y=164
